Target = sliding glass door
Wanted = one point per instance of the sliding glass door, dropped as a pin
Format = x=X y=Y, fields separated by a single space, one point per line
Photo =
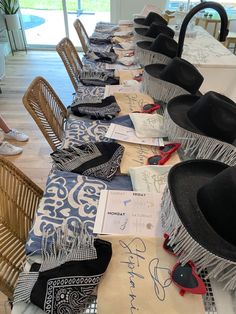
x=47 y=22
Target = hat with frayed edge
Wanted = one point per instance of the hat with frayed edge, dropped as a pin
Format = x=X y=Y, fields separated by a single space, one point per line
x=149 y=19
x=198 y=213
x=178 y=77
x=161 y=50
x=204 y=125
x=72 y=267
x=100 y=160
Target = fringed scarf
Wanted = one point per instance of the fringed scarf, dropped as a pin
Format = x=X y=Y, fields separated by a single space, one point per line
x=72 y=266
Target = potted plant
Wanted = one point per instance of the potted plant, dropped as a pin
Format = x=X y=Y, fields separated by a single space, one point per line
x=10 y=9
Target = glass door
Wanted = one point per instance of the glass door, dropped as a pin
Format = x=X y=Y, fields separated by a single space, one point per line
x=47 y=22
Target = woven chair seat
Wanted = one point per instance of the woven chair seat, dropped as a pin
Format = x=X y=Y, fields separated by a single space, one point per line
x=11 y=258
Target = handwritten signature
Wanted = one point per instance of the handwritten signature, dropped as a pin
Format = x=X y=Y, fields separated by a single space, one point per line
x=135 y=250
x=157 y=273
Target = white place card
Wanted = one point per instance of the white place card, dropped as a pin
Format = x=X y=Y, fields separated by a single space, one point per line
x=128 y=212
x=126 y=134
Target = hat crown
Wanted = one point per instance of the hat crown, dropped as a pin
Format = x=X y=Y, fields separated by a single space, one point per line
x=217 y=201
x=164 y=45
x=153 y=16
x=182 y=73
x=156 y=29
x=215 y=115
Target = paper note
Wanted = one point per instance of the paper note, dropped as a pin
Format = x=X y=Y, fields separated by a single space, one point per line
x=137 y=280
x=136 y=155
x=128 y=74
x=149 y=178
x=128 y=212
x=126 y=134
x=129 y=102
x=111 y=89
x=117 y=66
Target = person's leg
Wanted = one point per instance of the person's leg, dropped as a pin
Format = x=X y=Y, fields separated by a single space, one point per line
x=12 y=134
x=4 y=126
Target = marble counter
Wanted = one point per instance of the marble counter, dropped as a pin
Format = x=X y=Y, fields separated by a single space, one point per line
x=215 y=62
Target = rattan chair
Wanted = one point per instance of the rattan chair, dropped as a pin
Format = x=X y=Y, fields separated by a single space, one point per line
x=19 y=198
x=47 y=110
x=83 y=36
x=71 y=60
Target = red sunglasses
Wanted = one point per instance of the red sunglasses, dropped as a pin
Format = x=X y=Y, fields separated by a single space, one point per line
x=149 y=108
x=138 y=77
x=185 y=276
x=165 y=153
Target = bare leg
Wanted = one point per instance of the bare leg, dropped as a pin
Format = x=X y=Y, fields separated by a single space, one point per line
x=3 y=126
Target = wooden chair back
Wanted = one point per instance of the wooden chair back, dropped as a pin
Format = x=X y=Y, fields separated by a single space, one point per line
x=19 y=198
x=71 y=60
x=83 y=36
x=47 y=110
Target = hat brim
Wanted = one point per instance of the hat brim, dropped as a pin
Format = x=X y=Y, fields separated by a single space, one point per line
x=177 y=109
x=140 y=21
x=189 y=176
x=140 y=31
x=144 y=44
x=155 y=69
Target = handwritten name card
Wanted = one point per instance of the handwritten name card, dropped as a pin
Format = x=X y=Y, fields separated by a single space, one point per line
x=136 y=155
x=129 y=102
x=149 y=178
x=137 y=280
x=111 y=89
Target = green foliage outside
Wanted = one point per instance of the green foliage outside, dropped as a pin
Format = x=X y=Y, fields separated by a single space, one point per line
x=72 y=5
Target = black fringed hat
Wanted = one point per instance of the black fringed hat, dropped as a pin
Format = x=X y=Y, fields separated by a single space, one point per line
x=198 y=213
x=161 y=50
x=205 y=125
x=149 y=19
x=178 y=77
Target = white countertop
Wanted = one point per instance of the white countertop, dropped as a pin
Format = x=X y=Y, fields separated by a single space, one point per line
x=205 y=51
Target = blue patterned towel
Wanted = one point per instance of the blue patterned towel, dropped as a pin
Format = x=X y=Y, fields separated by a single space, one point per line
x=67 y=197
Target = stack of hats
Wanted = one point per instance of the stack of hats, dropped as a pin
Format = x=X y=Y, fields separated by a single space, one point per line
x=161 y=50
x=149 y=34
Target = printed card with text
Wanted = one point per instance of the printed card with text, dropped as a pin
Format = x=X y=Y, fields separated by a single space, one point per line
x=126 y=134
x=128 y=212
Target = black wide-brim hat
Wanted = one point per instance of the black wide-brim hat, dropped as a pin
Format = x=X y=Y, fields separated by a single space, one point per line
x=149 y=34
x=178 y=77
x=160 y=51
x=205 y=125
x=198 y=214
x=149 y=19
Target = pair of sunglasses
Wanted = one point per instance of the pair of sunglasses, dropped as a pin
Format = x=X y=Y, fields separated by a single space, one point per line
x=185 y=276
x=165 y=153
x=149 y=108
x=138 y=77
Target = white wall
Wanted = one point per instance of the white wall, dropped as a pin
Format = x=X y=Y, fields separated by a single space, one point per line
x=124 y=9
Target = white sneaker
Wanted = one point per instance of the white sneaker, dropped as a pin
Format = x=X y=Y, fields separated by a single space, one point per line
x=16 y=135
x=9 y=149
